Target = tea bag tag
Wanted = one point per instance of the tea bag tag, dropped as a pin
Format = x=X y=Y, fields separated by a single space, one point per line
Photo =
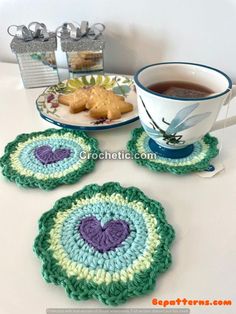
x=216 y=167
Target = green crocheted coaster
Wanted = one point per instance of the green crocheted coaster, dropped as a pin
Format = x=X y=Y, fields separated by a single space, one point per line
x=49 y=158
x=104 y=242
x=199 y=160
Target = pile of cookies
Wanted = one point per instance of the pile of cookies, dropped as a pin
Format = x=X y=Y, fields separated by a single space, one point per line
x=100 y=102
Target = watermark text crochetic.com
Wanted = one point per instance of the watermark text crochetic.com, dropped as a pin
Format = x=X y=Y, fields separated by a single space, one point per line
x=189 y=302
x=119 y=155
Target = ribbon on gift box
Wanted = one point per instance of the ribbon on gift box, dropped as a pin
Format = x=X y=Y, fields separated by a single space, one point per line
x=34 y=30
x=73 y=31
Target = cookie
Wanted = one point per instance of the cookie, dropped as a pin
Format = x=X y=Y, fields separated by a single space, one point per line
x=76 y=101
x=78 y=62
x=100 y=102
x=105 y=104
x=90 y=55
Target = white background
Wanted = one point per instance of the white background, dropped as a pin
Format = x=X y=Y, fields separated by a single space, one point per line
x=140 y=32
x=202 y=212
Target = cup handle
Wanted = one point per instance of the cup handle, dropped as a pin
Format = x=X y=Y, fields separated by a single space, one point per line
x=224 y=123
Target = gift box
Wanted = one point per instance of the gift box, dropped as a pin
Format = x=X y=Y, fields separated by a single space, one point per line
x=35 y=53
x=84 y=48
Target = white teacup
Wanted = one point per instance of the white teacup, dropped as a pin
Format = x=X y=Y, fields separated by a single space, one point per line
x=176 y=123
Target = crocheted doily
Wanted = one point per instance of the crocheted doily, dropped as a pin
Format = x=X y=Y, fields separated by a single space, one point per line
x=199 y=160
x=49 y=158
x=104 y=242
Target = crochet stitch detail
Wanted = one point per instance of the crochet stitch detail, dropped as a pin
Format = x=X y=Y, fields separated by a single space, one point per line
x=199 y=160
x=49 y=158
x=110 y=271
x=103 y=238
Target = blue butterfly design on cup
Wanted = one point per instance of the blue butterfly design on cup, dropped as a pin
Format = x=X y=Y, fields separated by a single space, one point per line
x=179 y=123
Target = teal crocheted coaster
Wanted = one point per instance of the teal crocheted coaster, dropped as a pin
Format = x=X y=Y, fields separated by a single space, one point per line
x=199 y=160
x=104 y=242
x=49 y=158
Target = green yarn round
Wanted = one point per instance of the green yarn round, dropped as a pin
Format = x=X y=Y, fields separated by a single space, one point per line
x=175 y=169
x=116 y=292
x=51 y=183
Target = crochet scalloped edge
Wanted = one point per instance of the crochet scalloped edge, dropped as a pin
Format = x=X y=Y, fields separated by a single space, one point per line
x=154 y=166
x=113 y=293
x=52 y=183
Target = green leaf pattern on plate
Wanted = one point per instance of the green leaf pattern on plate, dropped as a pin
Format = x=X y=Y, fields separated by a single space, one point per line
x=99 y=80
x=108 y=82
x=122 y=90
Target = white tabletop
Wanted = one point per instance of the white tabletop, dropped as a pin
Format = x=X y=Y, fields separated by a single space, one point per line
x=202 y=212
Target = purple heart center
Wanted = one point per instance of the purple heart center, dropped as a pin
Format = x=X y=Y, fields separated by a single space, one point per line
x=103 y=238
x=46 y=155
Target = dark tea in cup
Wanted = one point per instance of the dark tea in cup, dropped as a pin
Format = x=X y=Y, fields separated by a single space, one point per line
x=174 y=111
x=181 y=89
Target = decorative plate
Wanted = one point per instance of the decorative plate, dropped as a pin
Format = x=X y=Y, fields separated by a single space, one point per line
x=49 y=158
x=107 y=242
x=52 y=111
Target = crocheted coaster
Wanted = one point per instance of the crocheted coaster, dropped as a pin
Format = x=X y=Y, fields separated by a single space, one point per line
x=104 y=242
x=203 y=151
x=49 y=158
